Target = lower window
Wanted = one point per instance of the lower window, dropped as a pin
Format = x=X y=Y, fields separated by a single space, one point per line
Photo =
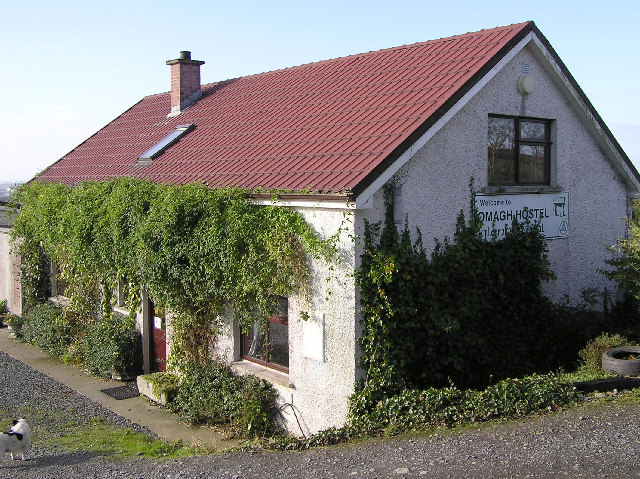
x=268 y=343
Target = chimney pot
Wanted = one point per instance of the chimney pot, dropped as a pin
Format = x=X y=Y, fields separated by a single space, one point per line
x=185 y=82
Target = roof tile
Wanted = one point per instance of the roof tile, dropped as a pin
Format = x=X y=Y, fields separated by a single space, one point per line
x=322 y=126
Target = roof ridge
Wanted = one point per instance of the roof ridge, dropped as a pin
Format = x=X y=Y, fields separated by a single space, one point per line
x=362 y=54
x=386 y=49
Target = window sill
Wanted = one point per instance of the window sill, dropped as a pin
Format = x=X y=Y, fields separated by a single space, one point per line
x=508 y=189
x=244 y=367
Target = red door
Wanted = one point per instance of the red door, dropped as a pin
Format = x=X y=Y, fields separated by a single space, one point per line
x=158 y=344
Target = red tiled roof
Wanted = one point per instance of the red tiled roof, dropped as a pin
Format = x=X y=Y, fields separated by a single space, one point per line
x=326 y=126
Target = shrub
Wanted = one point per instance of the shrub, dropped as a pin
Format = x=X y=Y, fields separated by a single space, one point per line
x=3 y=310
x=34 y=272
x=210 y=393
x=519 y=397
x=413 y=410
x=14 y=320
x=47 y=327
x=112 y=345
x=591 y=354
x=570 y=328
x=625 y=259
x=472 y=313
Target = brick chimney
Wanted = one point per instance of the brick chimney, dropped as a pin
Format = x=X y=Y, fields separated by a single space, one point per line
x=185 y=82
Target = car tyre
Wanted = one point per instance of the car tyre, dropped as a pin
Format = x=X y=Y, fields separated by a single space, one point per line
x=612 y=363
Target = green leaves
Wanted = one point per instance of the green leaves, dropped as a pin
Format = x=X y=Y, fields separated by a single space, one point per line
x=625 y=259
x=472 y=312
x=111 y=346
x=198 y=249
x=209 y=393
x=419 y=410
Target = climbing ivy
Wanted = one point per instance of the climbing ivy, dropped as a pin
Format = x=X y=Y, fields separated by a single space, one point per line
x=34 y=272
x=471 y=313
x=200 y=251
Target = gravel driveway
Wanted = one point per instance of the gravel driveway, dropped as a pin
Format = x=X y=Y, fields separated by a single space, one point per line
x=588 y=442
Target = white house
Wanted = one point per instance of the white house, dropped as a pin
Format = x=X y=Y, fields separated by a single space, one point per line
x=497 y=105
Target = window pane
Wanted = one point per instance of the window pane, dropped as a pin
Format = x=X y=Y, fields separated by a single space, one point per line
x=165 y=142
x=279 y=344
x=533 y=164
x=501 y=150
x=533 y=130
x=256 y=339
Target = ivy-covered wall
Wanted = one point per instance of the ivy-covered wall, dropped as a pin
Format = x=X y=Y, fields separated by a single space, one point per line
x=322 y=332
x=197 y=250
x=216 y=260
x=471 y=311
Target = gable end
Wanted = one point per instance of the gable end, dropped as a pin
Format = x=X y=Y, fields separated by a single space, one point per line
x=530 y=34
x=394 y=161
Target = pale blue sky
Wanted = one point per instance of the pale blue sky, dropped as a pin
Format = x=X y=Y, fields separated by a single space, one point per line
x=70 y=67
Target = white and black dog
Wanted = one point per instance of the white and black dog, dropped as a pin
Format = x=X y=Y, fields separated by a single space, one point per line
x=18 y=438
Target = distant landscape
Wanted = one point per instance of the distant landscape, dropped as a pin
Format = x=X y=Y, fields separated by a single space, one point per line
x=6 y=190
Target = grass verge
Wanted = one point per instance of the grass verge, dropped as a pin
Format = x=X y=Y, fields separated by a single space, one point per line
x=102 y=438
x=68 y=432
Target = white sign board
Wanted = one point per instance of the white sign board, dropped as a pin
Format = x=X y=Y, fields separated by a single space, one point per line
x=313 y=338
x=549 y=210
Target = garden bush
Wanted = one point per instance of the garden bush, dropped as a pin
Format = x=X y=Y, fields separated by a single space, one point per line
x=472 y=313
x=48 y=327
x=514 y=398
x=422 y=410
x=209 y=393
x=112 y=345
x=625 y=259
x=34 y=272
x=163 y=383
x=572 y=326
x=3 y=310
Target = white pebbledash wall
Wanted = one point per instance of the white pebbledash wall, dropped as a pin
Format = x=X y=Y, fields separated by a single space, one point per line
x=435 y=186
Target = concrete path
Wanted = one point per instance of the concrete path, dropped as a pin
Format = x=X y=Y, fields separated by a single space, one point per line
x=139 y=410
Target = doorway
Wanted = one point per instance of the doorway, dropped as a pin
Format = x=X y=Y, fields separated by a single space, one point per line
x=158 y=326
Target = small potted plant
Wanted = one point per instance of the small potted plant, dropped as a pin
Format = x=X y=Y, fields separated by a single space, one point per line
x=14 y=322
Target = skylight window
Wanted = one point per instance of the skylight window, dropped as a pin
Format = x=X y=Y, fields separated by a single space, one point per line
x=160 y=147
